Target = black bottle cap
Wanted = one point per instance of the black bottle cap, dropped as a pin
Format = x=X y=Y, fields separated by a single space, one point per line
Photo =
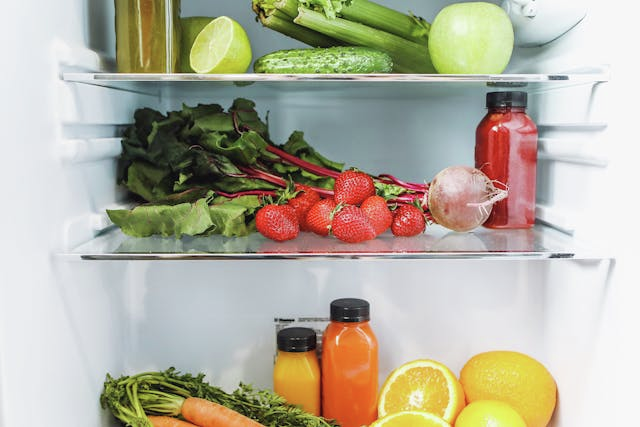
x=296 y=340
x=506 y=99
x=349 y=310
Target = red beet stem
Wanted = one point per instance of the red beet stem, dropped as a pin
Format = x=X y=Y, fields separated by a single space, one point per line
x=408 y=185
x=262 y=193
x=313 y=168
x=273 y=179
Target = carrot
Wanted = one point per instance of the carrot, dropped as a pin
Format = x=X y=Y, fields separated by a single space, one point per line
x=166 y=421
x=205 y=413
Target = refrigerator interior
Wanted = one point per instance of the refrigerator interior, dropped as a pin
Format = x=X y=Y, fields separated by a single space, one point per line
x=67 y=321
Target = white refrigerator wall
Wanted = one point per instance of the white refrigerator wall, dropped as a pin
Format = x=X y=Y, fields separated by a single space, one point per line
x=64 y=325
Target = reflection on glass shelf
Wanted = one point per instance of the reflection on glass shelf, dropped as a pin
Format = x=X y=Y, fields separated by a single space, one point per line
x=537 y=243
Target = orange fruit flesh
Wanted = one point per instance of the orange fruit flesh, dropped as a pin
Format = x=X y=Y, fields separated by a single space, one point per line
x=422 y=385
x=411 y=419
x=423 y=389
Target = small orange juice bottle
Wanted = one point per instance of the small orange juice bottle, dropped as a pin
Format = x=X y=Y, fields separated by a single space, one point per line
x=296 y=374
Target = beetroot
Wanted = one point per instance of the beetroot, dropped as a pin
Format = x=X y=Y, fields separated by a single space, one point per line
x=460 y=198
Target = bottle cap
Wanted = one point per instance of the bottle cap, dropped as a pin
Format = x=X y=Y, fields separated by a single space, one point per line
x=506 y=99
x=296 y=340
x=349 y=310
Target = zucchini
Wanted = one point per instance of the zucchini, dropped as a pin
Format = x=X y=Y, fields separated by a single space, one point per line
x=329 y=60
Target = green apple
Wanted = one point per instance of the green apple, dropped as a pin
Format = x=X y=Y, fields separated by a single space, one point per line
x=471 y=38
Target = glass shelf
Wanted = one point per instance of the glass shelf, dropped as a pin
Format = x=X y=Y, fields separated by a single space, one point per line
x=597 y=75
x=539 y=242
x=369 y=83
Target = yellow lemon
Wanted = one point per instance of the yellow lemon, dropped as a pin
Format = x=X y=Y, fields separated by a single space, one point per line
x=514 y=378
x=489 y=413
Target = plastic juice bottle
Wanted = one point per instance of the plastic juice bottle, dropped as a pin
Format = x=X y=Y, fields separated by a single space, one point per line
x=506 y=151
x=296 y=374
x=350 y=365
x=147 y=35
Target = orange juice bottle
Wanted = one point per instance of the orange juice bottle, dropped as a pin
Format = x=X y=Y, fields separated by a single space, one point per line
x=296 y=374
x=350 y=365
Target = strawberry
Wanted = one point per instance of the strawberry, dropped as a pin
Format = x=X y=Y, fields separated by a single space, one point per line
x=302 y=202
x=277 y=222
x=408 y=220
x=350 y=224
x=376 y=209
x=351 y=187
x=318 y=217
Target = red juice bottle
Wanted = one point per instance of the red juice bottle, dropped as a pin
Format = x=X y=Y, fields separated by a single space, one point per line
x=506 y=151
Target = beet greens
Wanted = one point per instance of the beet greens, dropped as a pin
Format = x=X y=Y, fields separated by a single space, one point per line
x=203 y=170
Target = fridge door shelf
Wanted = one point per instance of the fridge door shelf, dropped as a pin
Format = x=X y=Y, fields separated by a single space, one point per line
x=540 y=242
x=373 y=84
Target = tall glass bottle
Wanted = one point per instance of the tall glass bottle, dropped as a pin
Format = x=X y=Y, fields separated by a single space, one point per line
x=350 y=365
x=506 y=151
x=147 y=35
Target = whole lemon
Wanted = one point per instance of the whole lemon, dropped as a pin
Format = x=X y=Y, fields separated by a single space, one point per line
x=514 y=378
x=484 y=413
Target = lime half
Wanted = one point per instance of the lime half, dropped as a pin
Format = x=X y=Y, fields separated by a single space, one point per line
x=191 y=27
x=222 y=47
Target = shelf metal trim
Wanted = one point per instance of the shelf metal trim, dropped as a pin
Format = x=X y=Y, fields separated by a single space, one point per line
x=326 y=256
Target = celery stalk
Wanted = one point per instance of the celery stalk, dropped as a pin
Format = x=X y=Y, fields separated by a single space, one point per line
x=266 y=7
x=283 y=24
x=408 y=57
x=374 y=15
x=327 y=7
x=289 y=7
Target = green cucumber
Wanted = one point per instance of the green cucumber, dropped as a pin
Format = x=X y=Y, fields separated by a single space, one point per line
x=329 y=60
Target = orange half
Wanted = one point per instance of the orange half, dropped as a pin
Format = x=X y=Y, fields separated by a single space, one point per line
x=411 y=419
x=422 y=385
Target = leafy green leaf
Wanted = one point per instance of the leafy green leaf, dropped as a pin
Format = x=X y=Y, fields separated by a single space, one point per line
x=230 y=215
x=304 y=177
x=297 y=146
x=149 y=181
x=245 y=150
x=212 y=166
x=247 y=118
x=207 y=215
x=237 y=185
x=389 y=191
x=189 y=195
x=169 y=126
x=218 y=122
x=166 y=220
x=144 y=119
x=201 y=110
